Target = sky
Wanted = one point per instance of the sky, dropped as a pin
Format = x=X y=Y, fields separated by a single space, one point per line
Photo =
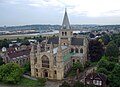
x=27 y=12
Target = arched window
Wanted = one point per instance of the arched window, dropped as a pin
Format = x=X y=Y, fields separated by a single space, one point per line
x=65 y=33
x=45 y=61
x=55 y=72
x=72 y=50
x=81 y=50
x=73 y=60
x=76 y=50
x=62 y=33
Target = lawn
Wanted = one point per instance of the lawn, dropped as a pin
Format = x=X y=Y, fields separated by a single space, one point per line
x=28 y=82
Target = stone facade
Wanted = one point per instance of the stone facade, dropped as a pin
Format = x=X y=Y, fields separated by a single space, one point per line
x=59 y=53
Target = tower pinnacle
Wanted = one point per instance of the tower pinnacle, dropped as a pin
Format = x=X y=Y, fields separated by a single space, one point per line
x=65 y=24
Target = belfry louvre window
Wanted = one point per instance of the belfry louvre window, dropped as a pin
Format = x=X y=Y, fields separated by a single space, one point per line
x=45 y=61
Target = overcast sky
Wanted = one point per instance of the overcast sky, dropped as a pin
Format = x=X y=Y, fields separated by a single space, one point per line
x=23 y=12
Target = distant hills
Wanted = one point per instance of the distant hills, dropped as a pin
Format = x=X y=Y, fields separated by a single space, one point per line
x=56 y=27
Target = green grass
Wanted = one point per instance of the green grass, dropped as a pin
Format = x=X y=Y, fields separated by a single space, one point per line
x=27 y=82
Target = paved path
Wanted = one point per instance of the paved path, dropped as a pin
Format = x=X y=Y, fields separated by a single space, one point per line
x=52 y=84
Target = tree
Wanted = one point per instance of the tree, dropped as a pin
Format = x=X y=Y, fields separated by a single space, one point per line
x=103 y=63
x=27 y=67
x=10 y=73
x=102 y=70
x=112 y=50
x=64 y=84
x=25 y=42
x=106 y=39
x=95 y=50
x=92 y=35
x=78 y=65
x=78 y=84
x=87 y=64
x=90 y=85
x=41 y=81
x=114 y=77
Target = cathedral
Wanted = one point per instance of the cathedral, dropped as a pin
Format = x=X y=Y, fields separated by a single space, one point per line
x=59 y=53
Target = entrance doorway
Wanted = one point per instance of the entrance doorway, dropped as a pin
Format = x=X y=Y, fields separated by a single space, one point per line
x=45 y=73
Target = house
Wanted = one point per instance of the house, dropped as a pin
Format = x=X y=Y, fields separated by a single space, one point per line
x=98 y=79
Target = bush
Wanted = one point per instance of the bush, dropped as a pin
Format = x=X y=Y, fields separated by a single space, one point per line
x=41 y=81
x=10 y=73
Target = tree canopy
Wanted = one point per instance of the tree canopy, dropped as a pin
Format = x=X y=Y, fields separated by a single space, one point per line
x=112 y=50
x=10 y=73
x=114 y=77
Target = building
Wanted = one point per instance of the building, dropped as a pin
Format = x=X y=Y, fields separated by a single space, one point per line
x=59 y=53
x=19 y=55
x=98 y=79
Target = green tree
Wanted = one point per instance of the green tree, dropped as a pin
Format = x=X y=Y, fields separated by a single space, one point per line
x=102 y=70
x=90 y=85
x=41 y=81
x=27 y=67
x=78 y=84
x=87 y=64
x=64 y=84
x=114 y=77
x=106 y=39
x=10 y=73
x=103 y=63
x=95 y=50
x=78 y=65
x=112 y=50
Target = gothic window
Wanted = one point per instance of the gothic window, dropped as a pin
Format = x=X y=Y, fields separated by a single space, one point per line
x=73 y=60
x=76 y=50
x=62 y=33
x=55 y=72
x=72 y=50
x=65 y=33
x=45 y=61
x=36 y=70
x=81 y=50
x=78 y=61
x=64 y=44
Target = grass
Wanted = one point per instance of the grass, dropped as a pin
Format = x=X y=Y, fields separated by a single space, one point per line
x=28 y=82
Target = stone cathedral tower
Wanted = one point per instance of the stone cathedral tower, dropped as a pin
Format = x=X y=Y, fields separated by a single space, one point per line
x=65 y=33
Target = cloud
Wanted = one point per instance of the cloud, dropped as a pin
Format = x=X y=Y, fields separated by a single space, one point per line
x=89 y=8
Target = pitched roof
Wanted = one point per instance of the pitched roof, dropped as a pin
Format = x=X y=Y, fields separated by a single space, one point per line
x=54 y=40
x=97 y=75
x=19 y=54
x=77 y=41
x=65 y=24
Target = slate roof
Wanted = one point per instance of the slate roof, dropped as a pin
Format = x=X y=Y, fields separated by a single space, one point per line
x=96 y=76
x=19 y=53
x=54 y=40
x=77 y=41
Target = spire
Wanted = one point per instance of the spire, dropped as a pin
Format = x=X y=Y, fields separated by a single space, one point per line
x=65 y=24
x=38 y=48
x=32 y=49
x=59 y=51
x=51 y=47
